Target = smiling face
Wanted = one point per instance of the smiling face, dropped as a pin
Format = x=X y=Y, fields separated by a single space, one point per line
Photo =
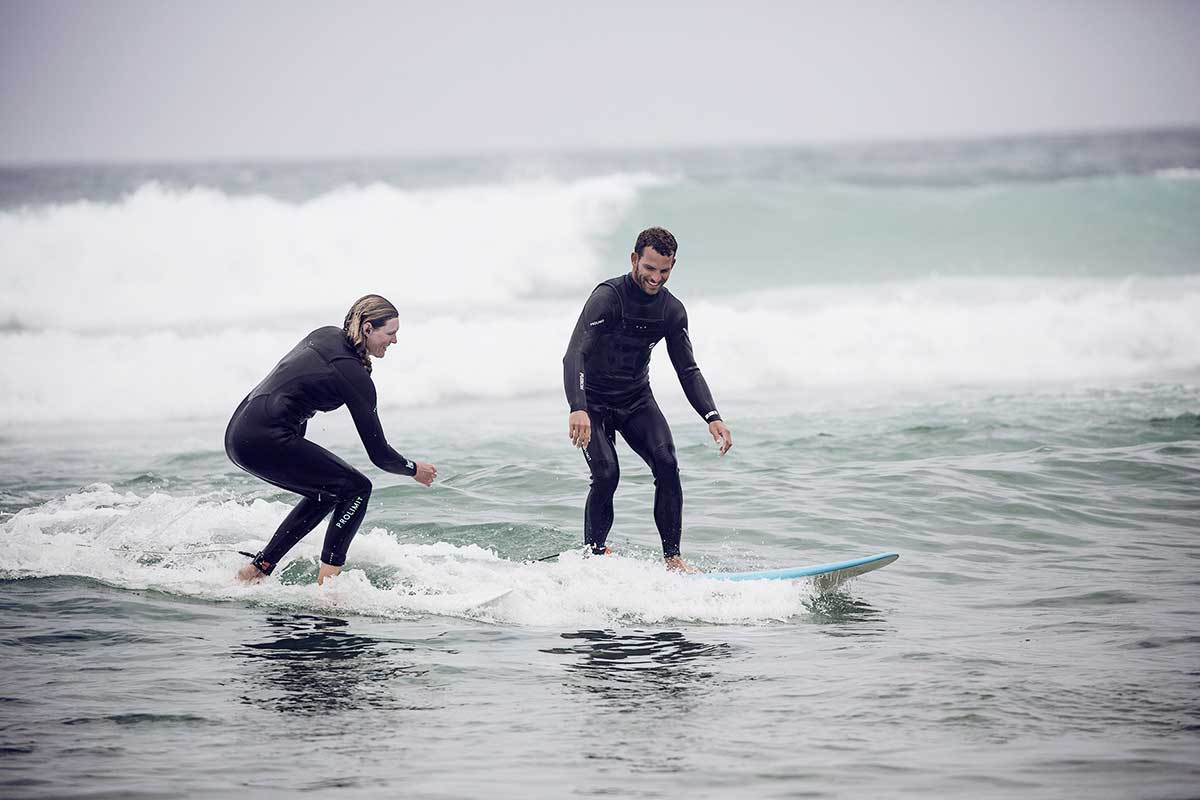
x=378 y=340
x=651 y=269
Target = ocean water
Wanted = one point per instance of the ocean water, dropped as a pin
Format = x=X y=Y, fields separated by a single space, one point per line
x=982 y=355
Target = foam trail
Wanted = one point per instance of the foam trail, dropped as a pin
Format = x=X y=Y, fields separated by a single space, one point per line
x=137 y=542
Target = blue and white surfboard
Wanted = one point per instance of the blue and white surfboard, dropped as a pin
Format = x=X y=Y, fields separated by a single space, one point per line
x=825 y=576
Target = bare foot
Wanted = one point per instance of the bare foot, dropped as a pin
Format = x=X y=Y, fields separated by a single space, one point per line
x=677 y=564
x=326 y=571
x=249 y=574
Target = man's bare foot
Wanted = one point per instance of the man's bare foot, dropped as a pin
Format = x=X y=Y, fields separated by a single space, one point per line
x=677 y=564
x=326 y=571
x=249 y=574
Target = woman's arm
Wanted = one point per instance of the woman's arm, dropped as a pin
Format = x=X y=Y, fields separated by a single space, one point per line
x=362 y=401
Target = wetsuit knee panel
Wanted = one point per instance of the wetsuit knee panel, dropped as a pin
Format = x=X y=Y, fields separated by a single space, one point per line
x=605 y=475
x=665 y=463
x=357 y=485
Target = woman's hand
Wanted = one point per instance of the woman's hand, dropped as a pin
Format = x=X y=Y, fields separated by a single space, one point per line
x=425 y=473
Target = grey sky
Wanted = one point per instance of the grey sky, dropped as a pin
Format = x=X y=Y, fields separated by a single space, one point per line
x=172 y=80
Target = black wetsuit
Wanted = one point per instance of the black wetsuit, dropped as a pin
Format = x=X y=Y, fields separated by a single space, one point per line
x=265 y=437
x=606 y=372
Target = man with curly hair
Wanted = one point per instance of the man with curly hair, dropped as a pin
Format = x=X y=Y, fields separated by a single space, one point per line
x=606 y=374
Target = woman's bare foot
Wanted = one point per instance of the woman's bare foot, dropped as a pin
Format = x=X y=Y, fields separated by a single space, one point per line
x=326 y=571
x=677 y=564
x=249 y=574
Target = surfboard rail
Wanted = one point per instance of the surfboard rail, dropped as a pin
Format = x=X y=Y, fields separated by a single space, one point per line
x=824 y=575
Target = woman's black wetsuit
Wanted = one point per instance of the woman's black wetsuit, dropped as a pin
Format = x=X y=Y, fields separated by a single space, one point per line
x=265 y=437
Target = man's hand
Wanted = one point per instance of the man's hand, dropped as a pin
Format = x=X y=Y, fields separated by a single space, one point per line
x=721 y=435
x=579 y=428
x=425 y=473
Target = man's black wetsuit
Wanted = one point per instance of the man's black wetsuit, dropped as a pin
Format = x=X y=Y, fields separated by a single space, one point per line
x=265 y=437
x=606 y=372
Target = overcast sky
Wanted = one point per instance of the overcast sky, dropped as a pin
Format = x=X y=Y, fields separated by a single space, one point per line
x=227 y=80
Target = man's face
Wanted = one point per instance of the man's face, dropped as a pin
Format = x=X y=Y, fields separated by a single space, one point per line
x=381 y=338
x=651 y=270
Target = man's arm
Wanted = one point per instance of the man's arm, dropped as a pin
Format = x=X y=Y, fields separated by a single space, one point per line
x=679 y=347
x=598 y=312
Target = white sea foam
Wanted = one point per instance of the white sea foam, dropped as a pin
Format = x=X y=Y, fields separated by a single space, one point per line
x=1178 y=174
x=173 y=303
x=910 y=335
x=164 y=543
x=165 y=257
x=953 y=331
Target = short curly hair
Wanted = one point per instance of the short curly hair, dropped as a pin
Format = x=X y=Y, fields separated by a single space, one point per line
x=658 y=238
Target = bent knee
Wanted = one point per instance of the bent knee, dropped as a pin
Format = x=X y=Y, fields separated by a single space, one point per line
x=605 y=476
x=357 y=485
x=665 y=465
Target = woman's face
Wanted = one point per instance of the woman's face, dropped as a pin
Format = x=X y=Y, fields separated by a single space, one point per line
x=380 y=339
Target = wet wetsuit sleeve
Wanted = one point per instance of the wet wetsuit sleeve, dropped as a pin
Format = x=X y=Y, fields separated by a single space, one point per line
x=679 y=347
x=361 y=399
x=599 y=310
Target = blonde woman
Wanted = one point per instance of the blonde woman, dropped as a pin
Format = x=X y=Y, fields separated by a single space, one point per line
x=329 y=368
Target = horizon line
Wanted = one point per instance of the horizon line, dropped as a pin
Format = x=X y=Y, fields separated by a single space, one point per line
x=560 y=151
